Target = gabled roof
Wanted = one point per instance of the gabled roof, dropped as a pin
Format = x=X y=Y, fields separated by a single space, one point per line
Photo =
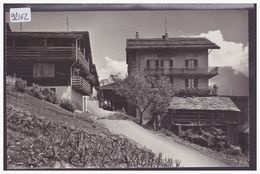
x=182 y=42
x=69 y=34
x=203 y=103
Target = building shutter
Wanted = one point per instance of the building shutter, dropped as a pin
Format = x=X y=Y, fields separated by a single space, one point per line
x=37 y=70
x=43 y=70
x=195 y=83
x=49 y=70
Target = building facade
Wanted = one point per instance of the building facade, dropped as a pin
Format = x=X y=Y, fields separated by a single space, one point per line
x=184 y=60
x=60 y=61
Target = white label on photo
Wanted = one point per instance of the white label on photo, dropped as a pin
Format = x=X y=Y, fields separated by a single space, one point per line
x=20 y=14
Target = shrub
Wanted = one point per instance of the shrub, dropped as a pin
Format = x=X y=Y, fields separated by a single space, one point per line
x=36 y=91
x=233 y=150
x=66 y=104
x=49 y=95
x=209 y=137
x=20 y=85
x=202 y=92
x=10 y=81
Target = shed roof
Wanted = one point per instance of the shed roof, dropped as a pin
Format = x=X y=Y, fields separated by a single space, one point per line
x=203 y=103
x=181 y=42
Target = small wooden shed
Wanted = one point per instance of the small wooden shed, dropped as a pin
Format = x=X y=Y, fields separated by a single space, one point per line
x=186 y=112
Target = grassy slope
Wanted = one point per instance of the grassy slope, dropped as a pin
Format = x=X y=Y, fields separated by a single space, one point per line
x=43 y=135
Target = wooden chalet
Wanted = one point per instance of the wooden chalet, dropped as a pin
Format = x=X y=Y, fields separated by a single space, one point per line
x=187 y=112
x=61 y=61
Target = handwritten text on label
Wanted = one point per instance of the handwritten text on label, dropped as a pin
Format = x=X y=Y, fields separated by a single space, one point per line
x=20 y=14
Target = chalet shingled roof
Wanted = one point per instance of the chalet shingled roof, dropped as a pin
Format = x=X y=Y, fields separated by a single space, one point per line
x=203 y=103
x=69 y=34
x=181 y=42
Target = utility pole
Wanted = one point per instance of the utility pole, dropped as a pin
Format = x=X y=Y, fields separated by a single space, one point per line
x=21 y=26
x=165 y=25
x=67 y=23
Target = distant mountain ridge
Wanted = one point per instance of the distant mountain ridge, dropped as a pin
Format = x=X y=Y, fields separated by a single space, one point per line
x=230 y=82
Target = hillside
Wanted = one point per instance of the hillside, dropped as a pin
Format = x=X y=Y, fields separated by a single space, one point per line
x=230 y=82
x=43 y=135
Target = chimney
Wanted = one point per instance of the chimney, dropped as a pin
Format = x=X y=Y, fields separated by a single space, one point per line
x=136 y=35
x=165 y=36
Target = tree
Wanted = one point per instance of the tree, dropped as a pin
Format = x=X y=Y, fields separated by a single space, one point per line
x=162 y=98
x=145 y=92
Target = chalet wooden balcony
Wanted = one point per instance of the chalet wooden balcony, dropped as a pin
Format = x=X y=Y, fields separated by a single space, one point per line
x=81 y=85
x=82 y=60
x=41 y=53
x=52 y=54
x=208 y=71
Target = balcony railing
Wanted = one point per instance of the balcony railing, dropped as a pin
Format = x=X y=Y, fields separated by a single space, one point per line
x=82 y=59
x=39 y=53
x=211 y=71
x=80 y=85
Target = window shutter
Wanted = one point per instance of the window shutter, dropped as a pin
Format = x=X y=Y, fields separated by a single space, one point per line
x=196 y=83
x=43 y=70
x=37 y=70
x=48 y=70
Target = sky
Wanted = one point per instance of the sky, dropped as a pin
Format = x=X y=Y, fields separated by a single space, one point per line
x=109 y=30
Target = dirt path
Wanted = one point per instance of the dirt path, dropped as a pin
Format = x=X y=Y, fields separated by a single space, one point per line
x=157 y=143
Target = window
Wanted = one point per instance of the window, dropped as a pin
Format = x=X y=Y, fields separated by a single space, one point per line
x=157 y=63
x=171 y=63
x=171 y=80
x=148 y=63
x=162 y=63
x=53 y=89
x=191 y=83
x=191 y=63
x=43 y=70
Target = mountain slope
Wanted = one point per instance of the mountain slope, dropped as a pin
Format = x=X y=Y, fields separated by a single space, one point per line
x=230 y=82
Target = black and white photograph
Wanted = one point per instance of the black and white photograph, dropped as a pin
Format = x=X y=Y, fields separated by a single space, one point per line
x=129 y=86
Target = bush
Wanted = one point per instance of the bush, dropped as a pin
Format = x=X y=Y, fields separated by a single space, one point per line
x=201 y=92
x=49 y=95
x=20 y=85
x=208 y=137
x=66 y=104
x=36 y=91
x=233 y=150
x=10 y=81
